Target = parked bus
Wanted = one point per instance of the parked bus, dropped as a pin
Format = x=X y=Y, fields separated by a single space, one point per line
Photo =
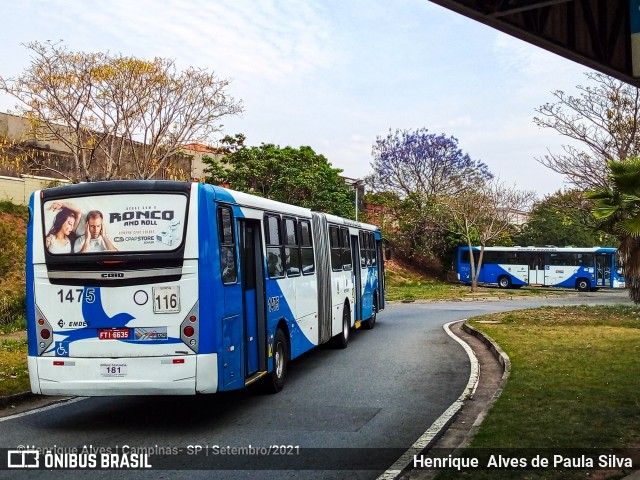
x=512 y=267
x=160 y=287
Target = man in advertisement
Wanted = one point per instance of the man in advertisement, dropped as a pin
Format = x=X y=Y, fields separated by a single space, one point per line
x=95 y=238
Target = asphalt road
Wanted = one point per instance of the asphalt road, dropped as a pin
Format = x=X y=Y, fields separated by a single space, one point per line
x=354 y=408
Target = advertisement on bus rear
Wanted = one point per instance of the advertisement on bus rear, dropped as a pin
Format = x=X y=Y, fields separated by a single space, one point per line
x=114 y=223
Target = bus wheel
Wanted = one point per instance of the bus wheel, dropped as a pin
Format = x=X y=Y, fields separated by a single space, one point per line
x=371 y=322
x=342 y=339
x=582 y=285
x=504 y=282
x=275 y=381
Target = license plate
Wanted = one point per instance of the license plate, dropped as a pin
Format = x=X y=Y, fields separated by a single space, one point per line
x=166 y=299
x=113 y=333
x=113 y=369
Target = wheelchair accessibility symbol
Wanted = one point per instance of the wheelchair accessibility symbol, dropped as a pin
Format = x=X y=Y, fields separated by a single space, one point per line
x=62 y=349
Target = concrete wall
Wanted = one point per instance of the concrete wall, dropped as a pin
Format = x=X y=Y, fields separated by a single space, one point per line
x=53 y=156
x=18 y=129
x=18 y=190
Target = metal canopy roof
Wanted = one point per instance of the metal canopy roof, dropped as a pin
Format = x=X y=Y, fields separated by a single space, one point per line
x=595 y=33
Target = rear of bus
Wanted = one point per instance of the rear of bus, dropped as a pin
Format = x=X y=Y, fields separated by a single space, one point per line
x=112 y=290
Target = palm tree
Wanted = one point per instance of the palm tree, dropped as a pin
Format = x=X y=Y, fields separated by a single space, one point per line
x=617 y=210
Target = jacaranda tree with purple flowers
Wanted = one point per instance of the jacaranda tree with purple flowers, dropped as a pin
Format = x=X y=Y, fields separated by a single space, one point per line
x=421 y=169
x=418 y=162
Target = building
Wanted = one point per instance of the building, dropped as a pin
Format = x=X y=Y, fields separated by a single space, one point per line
x=51 y=161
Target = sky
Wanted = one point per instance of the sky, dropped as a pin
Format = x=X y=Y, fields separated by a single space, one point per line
x=332 y=74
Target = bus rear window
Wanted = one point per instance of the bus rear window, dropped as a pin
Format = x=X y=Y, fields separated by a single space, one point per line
x=125 y=223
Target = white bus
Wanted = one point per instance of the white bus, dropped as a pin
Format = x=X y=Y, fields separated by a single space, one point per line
x=584 y=269
x=188 y=288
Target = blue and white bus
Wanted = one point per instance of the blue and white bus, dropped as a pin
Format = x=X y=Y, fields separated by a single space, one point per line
x=160 y=287
x=512 y=267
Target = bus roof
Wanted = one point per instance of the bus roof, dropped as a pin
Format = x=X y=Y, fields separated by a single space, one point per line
x=546 y=249
x=245 y=199
x=220 y=193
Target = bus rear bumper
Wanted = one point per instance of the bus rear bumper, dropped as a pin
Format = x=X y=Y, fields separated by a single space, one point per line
x=90 y=377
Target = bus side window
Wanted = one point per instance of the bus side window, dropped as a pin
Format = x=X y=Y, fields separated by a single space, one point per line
x=336 y=252
x=275 y=267
x=372 y=249
x=291 y=248
x=363 y=250
x=228 y=265
x=306 y=248
x=346 y=248
x=367 y=242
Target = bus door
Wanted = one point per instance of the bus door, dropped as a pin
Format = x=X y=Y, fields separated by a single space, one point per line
x=381 y=280
x=253 y=296
x=357 y=272
x=603 y=269
x=536 y=269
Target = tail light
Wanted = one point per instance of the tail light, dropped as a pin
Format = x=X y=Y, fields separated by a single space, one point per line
x=44 y=332
x=190 y=329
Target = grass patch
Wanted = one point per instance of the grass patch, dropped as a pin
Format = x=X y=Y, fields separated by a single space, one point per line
x=409 y=287
x=14 y=374
x=12 y=313
x=404 y=285
x=573 y=384
x=13 y=231
x=21 y=211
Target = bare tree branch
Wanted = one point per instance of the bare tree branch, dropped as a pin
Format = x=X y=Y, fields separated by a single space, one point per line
x=111 y=110
x=603 y=118
x=486 y=213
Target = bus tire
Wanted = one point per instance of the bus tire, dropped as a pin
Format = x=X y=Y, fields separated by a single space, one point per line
x=504 y=282
x=583 y=285
x=371 y=322
x=342 y=339
x=275 y=381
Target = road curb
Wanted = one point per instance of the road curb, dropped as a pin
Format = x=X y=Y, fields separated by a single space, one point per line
x=495 y=349
x=8 y=400
x=503 y=360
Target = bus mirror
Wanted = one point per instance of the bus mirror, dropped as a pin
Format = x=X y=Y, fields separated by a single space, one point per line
x=387 y=253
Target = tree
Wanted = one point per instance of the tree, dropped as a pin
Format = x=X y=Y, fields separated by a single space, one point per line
x=562 y=219
x=420 y=169
x=604 y=119
x=486 y=214
x=618 y=212
x=118 y=116
x=296 y=176
x=418 y=162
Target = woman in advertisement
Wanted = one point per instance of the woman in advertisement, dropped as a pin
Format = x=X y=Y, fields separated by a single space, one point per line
x=62 y=235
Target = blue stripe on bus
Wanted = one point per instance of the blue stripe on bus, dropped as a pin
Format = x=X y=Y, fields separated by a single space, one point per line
x=370 y=286
x=299 y=341
x=32 y=343
x=210 y=294
x=570 y=282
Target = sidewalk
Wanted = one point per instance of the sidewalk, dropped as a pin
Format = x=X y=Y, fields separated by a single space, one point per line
x=470 y=416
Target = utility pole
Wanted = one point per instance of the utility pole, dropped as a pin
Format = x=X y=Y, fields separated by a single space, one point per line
x=357 y=184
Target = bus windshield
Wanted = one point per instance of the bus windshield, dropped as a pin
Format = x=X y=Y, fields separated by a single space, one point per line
x=125 y=223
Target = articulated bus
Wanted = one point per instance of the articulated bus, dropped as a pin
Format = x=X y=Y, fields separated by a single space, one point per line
x=585 y=269
x=161 y=287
